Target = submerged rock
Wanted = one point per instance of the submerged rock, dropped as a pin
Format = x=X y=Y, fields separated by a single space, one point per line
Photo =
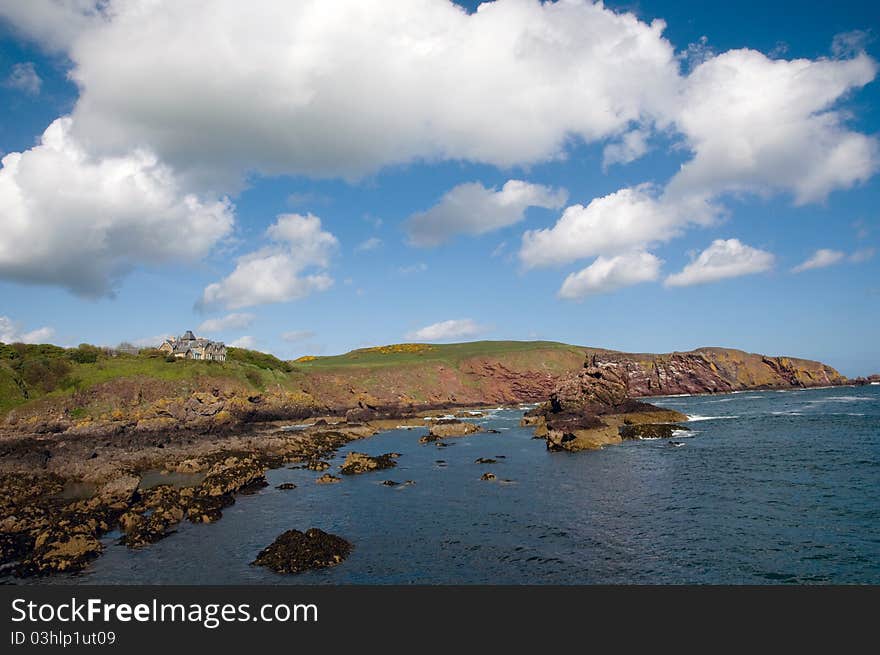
x=328 y=478
x=485 y=460
x=650 y=431
x=285 y=486
x=295 y=551
x=487 y=476
x=362 y=463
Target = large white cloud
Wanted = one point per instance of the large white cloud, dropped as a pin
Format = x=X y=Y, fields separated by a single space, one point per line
x=611 y=273
x=11 y=332
x=474 y=209
x=81 y=222
x=767 y=125
x=724 y=258
x=460 y=328
x=277 y=273
x=344 y=87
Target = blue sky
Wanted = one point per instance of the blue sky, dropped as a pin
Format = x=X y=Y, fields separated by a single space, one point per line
x=710 y=174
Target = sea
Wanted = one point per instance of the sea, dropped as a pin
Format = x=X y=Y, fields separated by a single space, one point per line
x=767 y=487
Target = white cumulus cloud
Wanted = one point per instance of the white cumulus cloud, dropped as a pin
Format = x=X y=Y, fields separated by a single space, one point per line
x=619 y=222
x=820 y=259
x=347 y=87
x=11 y=332
x=277 y=273
x=229 y=322
x=724 y=258
x=446 y=330
x=82 y=222
x=472 y=208
x=611 y=273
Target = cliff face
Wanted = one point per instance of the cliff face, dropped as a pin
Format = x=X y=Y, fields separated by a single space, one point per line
x=711 y=370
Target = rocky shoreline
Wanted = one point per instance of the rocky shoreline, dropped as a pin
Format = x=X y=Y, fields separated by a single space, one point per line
x=66 y=483
x=43 y=530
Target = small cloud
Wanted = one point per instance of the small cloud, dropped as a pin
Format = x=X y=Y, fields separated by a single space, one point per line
x=248 y=342
x=370 y=244
x=779 y=50
x=10 y=332
x=862 y=255
x=228 y=322
x=696 y=53
x=375 y=221
x=445 y=330
x=474 y=209
x=24 y=78
x=499 y=249
x=414 y=268
x=862 y=228
x=724 y=258
x=611 y=273
x=295 y=336
x=849 y=44
x=820 y=259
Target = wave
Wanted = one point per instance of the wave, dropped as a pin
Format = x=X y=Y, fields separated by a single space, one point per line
x=698 y=417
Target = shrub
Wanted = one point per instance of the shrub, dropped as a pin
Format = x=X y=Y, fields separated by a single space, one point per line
x=258 y=359
x=84 y=354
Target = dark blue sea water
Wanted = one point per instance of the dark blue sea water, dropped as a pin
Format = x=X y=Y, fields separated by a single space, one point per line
x=771 y=487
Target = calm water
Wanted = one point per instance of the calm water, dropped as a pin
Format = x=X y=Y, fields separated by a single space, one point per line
x=772 y=487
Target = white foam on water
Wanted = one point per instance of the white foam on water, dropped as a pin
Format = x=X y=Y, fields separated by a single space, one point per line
x=698 y=417
x=788 y=413
x=683 y=434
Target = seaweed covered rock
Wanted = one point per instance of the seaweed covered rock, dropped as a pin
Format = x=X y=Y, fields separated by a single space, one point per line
x=362 y=463
x=295 y=551
x=445 y=428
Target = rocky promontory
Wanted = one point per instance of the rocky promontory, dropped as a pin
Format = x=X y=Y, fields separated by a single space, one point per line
x=594 y=408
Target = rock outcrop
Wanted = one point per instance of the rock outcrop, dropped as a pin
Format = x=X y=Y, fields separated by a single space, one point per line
x=446 y=428
x=362 y=463
x=295 y=551
x=594 y=408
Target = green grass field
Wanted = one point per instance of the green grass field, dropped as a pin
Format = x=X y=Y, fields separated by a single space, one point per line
x=452 y=354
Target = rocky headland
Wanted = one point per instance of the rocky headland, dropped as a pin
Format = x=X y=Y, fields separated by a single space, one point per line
x=595 y=408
